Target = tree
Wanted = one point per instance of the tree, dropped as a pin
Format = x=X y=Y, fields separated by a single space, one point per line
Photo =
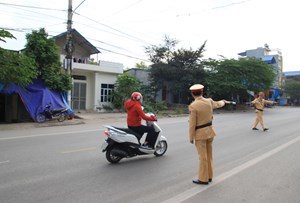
x=176 y=69
x=5 y=34
x=229 y=77
x=14 y=67
x=142 y=66
x=293 y=89
x=123 y=88
x=162 y=53
x=46 y=56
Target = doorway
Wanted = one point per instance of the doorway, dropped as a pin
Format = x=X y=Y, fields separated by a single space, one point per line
x=79 y=96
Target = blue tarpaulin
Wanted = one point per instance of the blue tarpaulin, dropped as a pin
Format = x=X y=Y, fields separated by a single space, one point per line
x=36 y=96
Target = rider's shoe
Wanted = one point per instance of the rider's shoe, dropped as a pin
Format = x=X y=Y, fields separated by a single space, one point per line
x=145 y=146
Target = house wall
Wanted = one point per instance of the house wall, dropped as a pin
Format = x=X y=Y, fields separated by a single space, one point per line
x=96 y=73
x=141 y=75
x=278 y=66
x=93 y=86
x=102 y=78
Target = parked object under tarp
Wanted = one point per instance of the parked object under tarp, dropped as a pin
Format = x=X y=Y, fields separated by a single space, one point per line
x=36 y=96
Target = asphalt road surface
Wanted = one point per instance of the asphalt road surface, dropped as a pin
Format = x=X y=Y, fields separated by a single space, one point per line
x=65 y=164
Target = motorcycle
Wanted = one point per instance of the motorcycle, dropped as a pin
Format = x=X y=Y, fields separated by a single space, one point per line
x=123 y=143
x=50 y=114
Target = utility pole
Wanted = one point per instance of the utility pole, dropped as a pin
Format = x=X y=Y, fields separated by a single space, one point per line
x=69 y=46
x=69 y=43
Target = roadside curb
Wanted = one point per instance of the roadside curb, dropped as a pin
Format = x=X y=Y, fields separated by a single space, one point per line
x=84 y=118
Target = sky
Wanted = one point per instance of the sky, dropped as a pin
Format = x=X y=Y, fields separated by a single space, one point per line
x=121 y=29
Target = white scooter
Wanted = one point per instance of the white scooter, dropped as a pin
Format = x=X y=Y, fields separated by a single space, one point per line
x=123 y=143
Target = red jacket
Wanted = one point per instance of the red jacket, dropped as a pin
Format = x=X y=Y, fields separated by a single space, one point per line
x=135 y=113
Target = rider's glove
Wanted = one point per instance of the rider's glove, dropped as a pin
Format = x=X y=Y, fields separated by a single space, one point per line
x=153 y=118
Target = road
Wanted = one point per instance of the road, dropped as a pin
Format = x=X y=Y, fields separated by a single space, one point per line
x=64 y=164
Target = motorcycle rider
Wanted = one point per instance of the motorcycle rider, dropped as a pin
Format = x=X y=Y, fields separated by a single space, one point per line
x=135 y=114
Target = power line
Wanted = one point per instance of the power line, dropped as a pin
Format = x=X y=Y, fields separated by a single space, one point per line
x=108 y=44
x=215 y=8
x=123 y=9
x=123 y=33
x=131 y=37
x=123 y=54
x=38 y=13
x=34 y=7
x=107 y=50
x=17 y=29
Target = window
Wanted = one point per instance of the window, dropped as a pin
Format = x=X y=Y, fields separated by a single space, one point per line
x=106 y=90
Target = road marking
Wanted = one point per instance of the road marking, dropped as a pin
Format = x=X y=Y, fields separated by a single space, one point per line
x=48 y=134
x=79 y=150
x=198 y=189
x=4 y=162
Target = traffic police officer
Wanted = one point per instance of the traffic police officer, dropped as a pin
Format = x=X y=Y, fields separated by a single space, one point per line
x=259 y=104
x=201 y=131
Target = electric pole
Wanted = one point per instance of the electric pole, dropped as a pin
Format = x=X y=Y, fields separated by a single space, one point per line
x=69 y=47
x=69 y=42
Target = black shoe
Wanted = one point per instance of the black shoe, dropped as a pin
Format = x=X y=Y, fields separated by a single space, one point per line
x=254 y=129
x=200 y=182
x=209 y=180
x=265 y=129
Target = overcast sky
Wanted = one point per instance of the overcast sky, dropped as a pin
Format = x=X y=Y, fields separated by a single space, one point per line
x=121 y=29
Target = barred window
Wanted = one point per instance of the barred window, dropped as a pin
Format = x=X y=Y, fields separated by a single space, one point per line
x=106 y=90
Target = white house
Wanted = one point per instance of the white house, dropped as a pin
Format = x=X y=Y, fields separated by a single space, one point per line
x=93 y=81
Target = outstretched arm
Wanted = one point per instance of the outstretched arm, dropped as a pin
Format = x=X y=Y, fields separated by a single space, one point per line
x=144 y=116
x=218 y=104
x=270 y=102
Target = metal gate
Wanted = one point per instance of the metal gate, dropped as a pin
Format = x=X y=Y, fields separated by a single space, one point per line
x=79 y=96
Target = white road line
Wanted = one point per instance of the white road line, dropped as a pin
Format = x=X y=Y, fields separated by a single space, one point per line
x=4 y=162
x=198 y=189
x=48 y=134
x=79 y=150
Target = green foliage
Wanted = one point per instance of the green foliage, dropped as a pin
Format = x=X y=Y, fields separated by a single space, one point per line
x=142 y=66
x=46 y=56
x=230 y=77
x=155 y=107
x=293 y=89
x=123 y=88
x=176 y=69
x=14 y=67
x=162 y=53
x=5 y=34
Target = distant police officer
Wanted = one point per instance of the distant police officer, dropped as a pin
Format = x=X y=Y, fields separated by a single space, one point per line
x=259 y=104
x=201 y=131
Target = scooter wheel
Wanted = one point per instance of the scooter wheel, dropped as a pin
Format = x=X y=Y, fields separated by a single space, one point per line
x=161 y=148
x=40 y=118
x=112 y=158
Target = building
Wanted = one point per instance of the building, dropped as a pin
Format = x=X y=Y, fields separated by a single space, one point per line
x=162 y=95
x=93 y=80
x=270 y=56
x=289 y=76
x=141 y=74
